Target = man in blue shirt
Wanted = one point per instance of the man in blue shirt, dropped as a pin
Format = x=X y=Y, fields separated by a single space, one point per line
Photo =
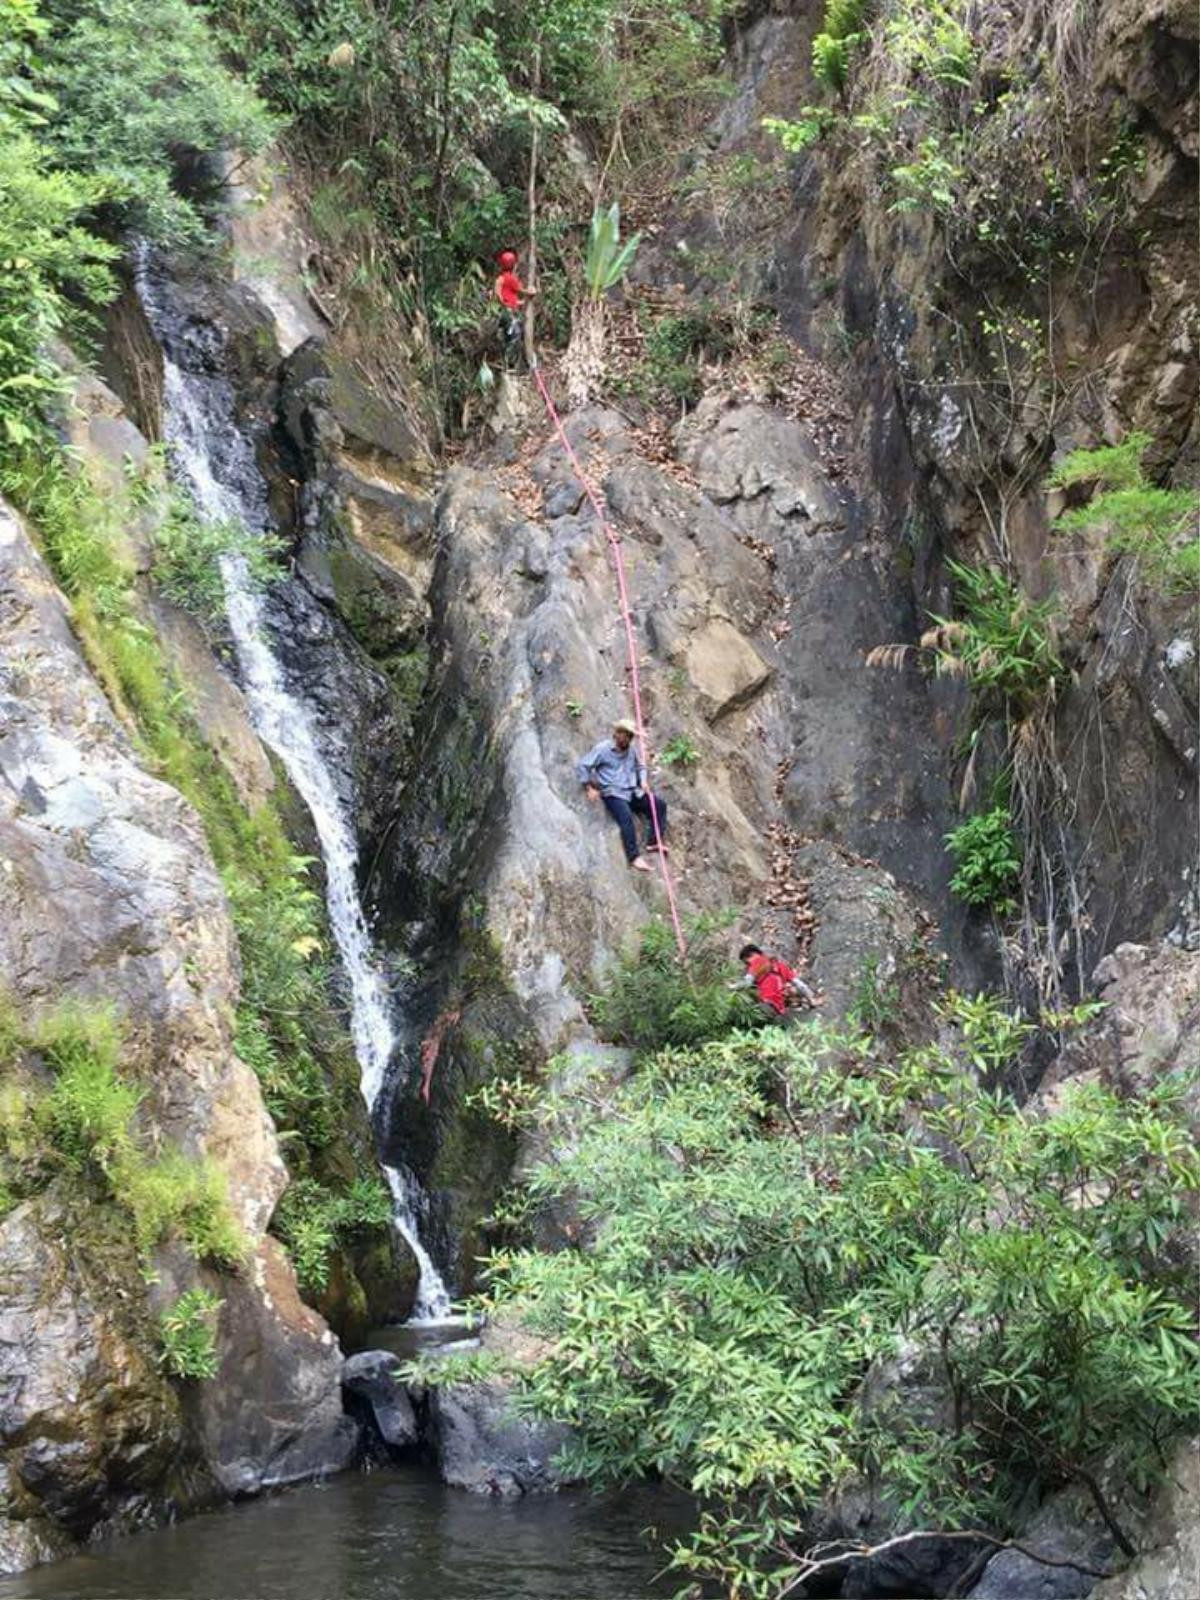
x=612 y=772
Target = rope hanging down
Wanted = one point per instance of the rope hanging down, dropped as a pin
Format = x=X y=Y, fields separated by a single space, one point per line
x=614 y=545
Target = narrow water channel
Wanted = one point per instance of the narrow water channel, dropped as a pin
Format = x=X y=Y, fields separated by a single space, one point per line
x=396 y=1534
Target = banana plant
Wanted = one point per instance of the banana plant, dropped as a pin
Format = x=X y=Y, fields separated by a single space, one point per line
x=608 y=260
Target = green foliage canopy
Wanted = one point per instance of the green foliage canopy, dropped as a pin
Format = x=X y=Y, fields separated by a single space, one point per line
x=651 y=999
x=139 y=87
x=749 y=1266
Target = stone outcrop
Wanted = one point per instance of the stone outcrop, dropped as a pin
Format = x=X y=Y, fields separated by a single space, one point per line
x=1148 y=1031
x=1170 y=1565
x=789 y=732
x=373 y=1389
x=940 y=470
x=111 y=897
x=481 y=1446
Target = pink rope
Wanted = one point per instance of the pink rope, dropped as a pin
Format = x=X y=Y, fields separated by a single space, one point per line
x=614 y=545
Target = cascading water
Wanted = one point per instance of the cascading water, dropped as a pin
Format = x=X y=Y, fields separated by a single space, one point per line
x=214 y=460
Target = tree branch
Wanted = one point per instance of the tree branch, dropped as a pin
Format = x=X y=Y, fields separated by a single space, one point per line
x=811 y=1565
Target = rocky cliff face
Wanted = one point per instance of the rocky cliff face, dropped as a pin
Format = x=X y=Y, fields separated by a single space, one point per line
x=111 y=895
x=957 y=417
x=460 y=641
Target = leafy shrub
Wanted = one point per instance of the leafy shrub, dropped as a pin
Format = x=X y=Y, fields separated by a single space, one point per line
x=751 y=1265
x=653 y=1000
x=1002 y=643
x=139 y=86
x=676 y=344
x=187 y=1335
x=88 y=1113
x=1157 y=526
x=51 y=265
x=174 y=1194
x=876 y=998
x=987 y=859
x=932 y=41
x=1113 y=466
x=315 y=1221
x=831 y=59
x=679 y=752
x=840 y=35
x=801 y=132
x=84 y=1124
x=993 y=1033
x=188 y=552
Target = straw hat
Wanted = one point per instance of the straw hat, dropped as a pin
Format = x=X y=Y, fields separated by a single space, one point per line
x=624 y=725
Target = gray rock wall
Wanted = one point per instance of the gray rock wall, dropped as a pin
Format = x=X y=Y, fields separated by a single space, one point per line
x=111 y=895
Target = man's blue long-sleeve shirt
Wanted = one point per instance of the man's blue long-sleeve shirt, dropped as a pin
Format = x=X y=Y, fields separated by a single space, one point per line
x=612 y=771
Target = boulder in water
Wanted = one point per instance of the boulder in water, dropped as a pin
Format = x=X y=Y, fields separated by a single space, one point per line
x=482 y=1446
x=374 y=1392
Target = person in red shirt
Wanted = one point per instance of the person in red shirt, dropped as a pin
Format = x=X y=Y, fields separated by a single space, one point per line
x=512 y=294
x=773 y=980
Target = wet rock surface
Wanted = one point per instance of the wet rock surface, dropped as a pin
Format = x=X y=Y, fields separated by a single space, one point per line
x=374 y=1391
x=91 y=1430
x=482 y=1447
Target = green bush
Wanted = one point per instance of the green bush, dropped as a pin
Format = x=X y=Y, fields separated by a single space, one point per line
x=176 y=1195
x=679 y=752
x=675 y=345
x=801 y=132
x=84 y=1124
x=1156 y=526
x=51 y=265
x=187 y=1335
x=139 y=86
x=87 y=1115
x=841 y=34
x=188 y=552
x=1002 y=644
x=831 y=60
x=314 y=1222
x=987 y=859
x=770 y=1223
x=652 y=1000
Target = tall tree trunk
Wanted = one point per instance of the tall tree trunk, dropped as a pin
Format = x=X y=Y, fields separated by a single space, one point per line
x=583 y=364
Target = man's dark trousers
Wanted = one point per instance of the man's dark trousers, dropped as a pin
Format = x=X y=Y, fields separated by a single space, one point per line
x=624 y=812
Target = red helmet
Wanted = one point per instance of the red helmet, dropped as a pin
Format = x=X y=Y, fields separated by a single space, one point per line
x=508 y=259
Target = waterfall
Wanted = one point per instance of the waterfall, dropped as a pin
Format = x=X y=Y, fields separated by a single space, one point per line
x=214 y=462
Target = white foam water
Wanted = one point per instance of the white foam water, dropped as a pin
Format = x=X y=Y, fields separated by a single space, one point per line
x=192 y=427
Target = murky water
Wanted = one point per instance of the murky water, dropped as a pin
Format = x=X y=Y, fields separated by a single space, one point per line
x=388 y=1535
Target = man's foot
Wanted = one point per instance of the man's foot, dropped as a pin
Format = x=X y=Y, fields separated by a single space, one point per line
x=640 y=864
x=657 y=850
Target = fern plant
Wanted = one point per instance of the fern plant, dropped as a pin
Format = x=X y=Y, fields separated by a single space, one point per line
x=679 y=752
x=841 y=34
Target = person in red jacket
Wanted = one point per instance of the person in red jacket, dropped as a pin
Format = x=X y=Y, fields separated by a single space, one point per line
x=512 y=295
x=773 y=980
